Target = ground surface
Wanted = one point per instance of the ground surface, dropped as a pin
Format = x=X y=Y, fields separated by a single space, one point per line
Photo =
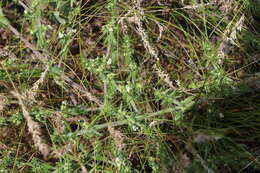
x=129 y=86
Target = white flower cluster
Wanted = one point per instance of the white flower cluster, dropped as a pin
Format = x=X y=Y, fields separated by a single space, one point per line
x=68 y=32
x=124 y=88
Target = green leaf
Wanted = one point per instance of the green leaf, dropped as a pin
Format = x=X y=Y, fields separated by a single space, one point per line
x=3 y=20
x=188 y=103
x=58 y=18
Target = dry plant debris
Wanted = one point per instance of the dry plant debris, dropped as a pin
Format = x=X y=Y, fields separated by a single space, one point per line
x=34 y=129
x=3 y=101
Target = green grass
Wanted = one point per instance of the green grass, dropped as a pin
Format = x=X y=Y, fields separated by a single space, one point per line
x=124 y=86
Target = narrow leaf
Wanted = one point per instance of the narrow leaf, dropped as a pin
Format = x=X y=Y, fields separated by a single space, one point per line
x=3 y=20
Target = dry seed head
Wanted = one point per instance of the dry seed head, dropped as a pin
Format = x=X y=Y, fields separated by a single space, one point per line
x=3 y=102
x=117 y=136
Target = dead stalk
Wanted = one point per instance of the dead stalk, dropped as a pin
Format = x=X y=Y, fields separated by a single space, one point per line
x=34 y=129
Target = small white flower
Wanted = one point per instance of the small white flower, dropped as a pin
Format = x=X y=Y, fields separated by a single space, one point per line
x=109 y=62
x=119 y=162
x=121 y=88
x=132 y=66
x=128 y=88
x=25 y=12
x=70 y=30
x=153 y=123
x=61 y=35
x=49 y=27
x=64 y=102
x=135 y=128
x=110 y=29
x=178 y=83
x=221 y=115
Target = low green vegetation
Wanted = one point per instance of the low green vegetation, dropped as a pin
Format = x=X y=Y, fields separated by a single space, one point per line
x=129 y=86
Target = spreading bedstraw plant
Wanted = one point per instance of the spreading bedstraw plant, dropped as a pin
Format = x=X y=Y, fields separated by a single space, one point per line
x=216 y=76
x=107 y=68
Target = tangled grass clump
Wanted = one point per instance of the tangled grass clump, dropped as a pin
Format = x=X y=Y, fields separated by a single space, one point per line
x=129 y=86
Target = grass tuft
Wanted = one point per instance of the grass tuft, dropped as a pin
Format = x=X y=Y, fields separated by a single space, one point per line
x=129 y=86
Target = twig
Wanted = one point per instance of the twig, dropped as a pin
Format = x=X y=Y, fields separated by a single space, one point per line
x=23 y=5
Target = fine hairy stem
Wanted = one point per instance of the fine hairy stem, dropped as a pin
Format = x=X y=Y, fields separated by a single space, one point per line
x=124 y=122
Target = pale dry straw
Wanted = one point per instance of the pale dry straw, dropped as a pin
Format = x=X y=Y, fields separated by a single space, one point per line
x=151 y=49
x=229 y=38
x=3 y=102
